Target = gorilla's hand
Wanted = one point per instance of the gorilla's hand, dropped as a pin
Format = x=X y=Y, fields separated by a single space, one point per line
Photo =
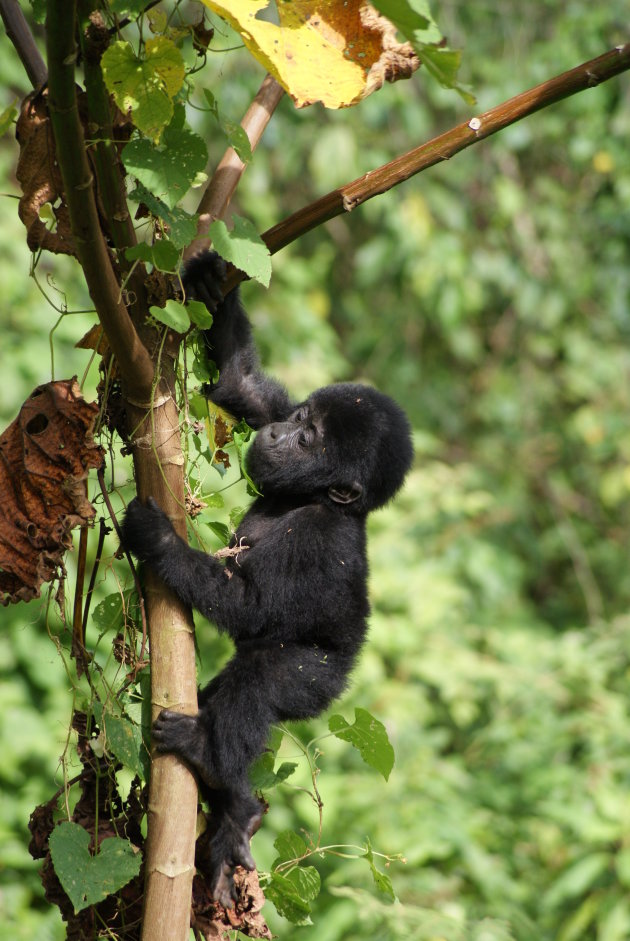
x=147 y=532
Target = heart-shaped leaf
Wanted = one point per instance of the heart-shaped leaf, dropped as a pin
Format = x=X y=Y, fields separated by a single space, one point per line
x=89 y=879
x=167 y=170
x=145 y=86
x=243 y=246
x=173 y=315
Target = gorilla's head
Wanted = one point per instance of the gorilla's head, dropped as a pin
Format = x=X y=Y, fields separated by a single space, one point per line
x=347 y=444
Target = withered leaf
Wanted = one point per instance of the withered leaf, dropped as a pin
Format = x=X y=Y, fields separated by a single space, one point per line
x=40 y=179
x=336 y=52
x=222 y=457
x=216 y=923
x=45 y=456
x=94 y=339
x=39 y=176
x=222 y=431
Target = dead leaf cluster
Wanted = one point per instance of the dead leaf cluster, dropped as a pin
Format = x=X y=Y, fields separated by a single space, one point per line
x=45 y=457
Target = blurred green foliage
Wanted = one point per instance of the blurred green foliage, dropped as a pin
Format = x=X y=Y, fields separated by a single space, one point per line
x=491 y=296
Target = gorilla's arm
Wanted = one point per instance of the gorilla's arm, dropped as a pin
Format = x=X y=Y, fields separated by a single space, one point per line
x=196 y=577
x=242 y=388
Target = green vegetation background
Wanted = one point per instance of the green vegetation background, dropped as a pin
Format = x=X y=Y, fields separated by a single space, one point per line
x=491 y=297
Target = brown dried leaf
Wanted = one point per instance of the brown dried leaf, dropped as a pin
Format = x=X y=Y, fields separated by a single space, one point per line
x=222 y=431
x=222 y=457
x=39 y=177
x=202 y=35
x=94 y=339
x=216 y=923
x=45 y=456
x=396 y=60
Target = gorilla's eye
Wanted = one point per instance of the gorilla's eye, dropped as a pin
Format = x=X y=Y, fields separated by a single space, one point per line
x=303 y=439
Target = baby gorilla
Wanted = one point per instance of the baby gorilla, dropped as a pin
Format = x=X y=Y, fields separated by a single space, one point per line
x=294 y=602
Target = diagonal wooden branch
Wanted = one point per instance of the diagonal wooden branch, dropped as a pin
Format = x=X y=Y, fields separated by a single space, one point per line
x=230 y=169
x=378 y=181
x=132 y=357
x=20 y=35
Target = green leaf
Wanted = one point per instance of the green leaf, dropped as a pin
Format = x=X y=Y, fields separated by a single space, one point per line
x=409 y=16
x=213 y=501
x=414 y=20
x=575 y=927
x=261 y=773
x=39 y=10
x=289 y=845
x=382 y=882
x=443 y=64
x=287 y=900
x=212 y=102
x=243 y=247
x=163 y=254
x=169 y=169
x=204 y=369
x=306 y=880
x=173 y=314
x=368 y=735
x=124 y=740
x=109 y=614
x=262 y=777
x=243 y=440
x=141 y=251
x=182 y=225
x=275 y=739
x=236 y=516
x=146 y=86
x=89 y=879
x=198 y=405
x=220 y=530
x=237 y=137
x=199 y=314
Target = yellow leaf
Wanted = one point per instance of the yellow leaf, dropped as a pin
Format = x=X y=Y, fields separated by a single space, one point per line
x=335 y=52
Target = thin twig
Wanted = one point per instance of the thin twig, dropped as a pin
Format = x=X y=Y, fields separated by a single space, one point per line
x=20 y=35
x=103 y=530
x=78 y=635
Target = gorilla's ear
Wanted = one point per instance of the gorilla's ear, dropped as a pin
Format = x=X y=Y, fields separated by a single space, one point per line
x=345 y=494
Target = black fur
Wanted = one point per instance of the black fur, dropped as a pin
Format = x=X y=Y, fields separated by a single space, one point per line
x=295 y=601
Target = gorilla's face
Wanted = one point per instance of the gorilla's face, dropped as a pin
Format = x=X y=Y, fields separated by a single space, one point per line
x=290 y=456
x=346 y=443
